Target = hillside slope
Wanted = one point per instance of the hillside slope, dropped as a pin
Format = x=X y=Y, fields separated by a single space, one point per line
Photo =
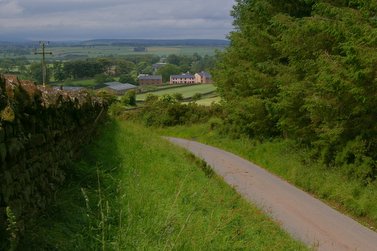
x=132 y=190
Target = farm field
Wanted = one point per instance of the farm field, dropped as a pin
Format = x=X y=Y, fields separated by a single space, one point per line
x=187 y=92
x=88 y=83
x=73 y=52
x=208 y=101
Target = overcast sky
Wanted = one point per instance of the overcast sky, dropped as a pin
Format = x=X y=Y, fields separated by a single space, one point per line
x=89 y=19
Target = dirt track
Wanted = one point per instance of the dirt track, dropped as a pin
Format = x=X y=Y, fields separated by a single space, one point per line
x=305 y=217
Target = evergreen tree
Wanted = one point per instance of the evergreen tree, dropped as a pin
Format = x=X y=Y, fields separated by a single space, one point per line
x=305 y=70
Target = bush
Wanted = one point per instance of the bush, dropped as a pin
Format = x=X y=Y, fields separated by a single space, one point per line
x=166 y=111
x=354 y=161
x=178 y=96
x=250 y=117
x=127 y=78
x=107 y=96
x=129 y=98
x=117 y=109
x=197 y=96
x=102 y=78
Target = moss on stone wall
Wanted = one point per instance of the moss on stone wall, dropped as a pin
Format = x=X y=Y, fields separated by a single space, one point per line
x=41 y=129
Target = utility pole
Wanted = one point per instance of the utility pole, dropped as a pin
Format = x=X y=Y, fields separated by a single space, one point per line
x=43 y=53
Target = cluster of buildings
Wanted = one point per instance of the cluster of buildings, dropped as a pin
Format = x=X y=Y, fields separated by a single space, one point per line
x=199 y=78
x=121 y=88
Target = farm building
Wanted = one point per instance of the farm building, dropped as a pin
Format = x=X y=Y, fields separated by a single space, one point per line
x=69 y=88
x=182 y=79
x=203 y=78
x=150 y=80
x=119 y=88
x=140 y=49
x=112 y=83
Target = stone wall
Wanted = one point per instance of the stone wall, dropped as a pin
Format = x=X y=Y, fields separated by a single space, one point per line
x=41 y=129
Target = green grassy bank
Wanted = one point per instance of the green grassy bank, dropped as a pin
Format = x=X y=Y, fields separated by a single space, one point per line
x=294 y=164
x=134 y=191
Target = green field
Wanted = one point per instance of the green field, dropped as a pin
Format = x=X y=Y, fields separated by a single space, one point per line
x=73 y=52
x=88 y=83
x=208 y=101
x=186 y=91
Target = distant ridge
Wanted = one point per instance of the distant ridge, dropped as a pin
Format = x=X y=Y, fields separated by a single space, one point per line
x=156 y=42
x=120 y=42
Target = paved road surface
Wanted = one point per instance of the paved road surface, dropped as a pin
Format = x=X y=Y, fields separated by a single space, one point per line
x=305 y=217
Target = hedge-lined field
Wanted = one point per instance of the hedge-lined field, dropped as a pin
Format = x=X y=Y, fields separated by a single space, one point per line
x=187 y=92
x=68 y=52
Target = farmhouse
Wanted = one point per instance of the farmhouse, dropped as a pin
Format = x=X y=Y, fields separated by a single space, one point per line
x=182 y=79
x=119 y=88
x=150 y=80
x=203 y=78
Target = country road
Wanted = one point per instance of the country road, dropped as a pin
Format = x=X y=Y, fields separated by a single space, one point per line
x=303 y=216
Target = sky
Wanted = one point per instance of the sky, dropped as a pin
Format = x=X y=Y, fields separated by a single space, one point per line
x=55 y=20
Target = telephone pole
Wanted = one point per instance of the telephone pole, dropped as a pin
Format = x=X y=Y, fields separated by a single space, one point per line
x=43 y=53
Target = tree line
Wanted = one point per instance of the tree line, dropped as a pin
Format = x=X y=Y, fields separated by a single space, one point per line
x=126 y=68
x=305 y=70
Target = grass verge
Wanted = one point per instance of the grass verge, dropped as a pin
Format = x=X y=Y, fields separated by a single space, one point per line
x=285 y=159
x=134 y=191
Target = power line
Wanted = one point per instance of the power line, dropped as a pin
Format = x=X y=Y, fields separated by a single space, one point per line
x=43 y=53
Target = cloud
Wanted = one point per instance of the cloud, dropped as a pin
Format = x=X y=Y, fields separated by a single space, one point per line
x=9 y=8
x=117 y=19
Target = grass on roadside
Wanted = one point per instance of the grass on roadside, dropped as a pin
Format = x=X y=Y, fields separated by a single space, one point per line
x=134 y=191
x=285 y=159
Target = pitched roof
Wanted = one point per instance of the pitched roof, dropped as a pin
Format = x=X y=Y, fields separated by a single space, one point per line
x=121 y=87
x=69 y=88
x=112 y=83
x=205 y=74
x=151 y=77
x=158 y=65
x=183 y=76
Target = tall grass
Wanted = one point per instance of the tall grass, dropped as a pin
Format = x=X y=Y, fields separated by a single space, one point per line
x=133 y=190
x=287 y=160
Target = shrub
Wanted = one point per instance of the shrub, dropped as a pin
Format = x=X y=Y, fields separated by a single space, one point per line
x=102 y=78
x=129 y=98
x=250 y=117
x=178 y=96
x=197 y=96
x=354 y=161
x=166 y=111
x=107 y=96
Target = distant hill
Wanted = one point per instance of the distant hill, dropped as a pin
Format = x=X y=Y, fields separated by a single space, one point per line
x=120 y=42
x=158 y=42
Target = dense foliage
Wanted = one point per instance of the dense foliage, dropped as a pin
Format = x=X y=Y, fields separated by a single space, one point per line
x=168 y=111
x=306 y=70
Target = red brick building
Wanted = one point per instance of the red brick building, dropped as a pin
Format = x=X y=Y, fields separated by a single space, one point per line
x=150 y=80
